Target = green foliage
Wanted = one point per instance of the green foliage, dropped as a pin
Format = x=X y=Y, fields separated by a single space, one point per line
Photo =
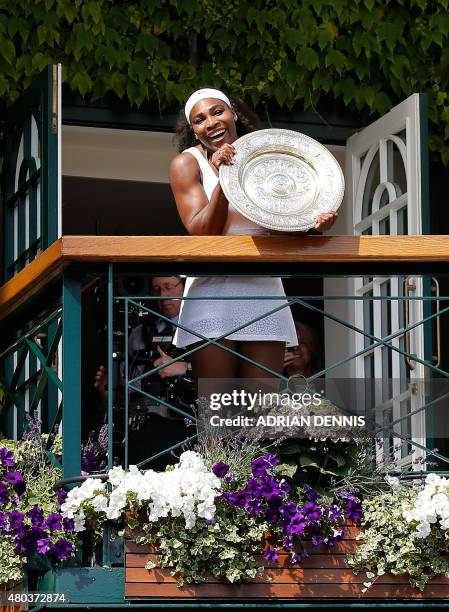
x=225 y=549
x=331 y=465
x=368 y=54
x=390 y=544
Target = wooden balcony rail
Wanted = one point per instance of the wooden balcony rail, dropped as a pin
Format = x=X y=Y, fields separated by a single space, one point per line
x=238 y=249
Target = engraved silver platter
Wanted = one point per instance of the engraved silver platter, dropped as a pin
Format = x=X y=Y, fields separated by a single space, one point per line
x=282 y=179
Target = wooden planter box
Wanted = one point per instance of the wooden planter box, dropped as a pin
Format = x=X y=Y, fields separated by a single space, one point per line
x=323 y=575
x=12 y=588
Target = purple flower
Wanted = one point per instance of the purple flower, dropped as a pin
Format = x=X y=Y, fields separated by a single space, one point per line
x=271 y=554
x=68 y=525
x=317 y=540
x=238 y=499
x=353 y=511
x=36 y=514
x=311 y=494
x=6 y=457
x=88 y=461
x=43 y=546
x=25 y=540
x=15 y=520
x=334 y=512
x=289 y=510
x=220 y=469
x=296 y=525
x=210 y=521
x=272 y=516
x=2 y=521
x=4 y=495
x=53 y=522
x=284 y=487
x=347 y=495
x=260 y=466
x=62 y=549
x=312 y=510
x=254 y=507
x=61 y=496
x=16 y=480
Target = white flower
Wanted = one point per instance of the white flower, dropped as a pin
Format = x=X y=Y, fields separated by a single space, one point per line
x=188 y=490
x=423 y=530
x=393 y=481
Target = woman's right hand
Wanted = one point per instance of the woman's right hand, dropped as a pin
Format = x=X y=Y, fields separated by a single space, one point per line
x=224 y=155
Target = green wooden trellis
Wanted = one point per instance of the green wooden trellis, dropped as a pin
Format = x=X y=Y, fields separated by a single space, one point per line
x=28 y=372
x=373 y=342
x=30 y=177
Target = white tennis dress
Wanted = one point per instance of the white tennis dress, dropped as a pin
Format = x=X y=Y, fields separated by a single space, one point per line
x=217 y=318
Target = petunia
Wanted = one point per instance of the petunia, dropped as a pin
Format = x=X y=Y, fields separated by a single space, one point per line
x=271 y=554
x=68 y=525
x=260 y=465
x=4 y=495
x=6 y=457
x=353 y=511
x=61 y=496
x=15 y=519
x=43 y=546
x=16 y=480
x=36 y=515
x=62 y=549
x=53 y=522
x=220 y=469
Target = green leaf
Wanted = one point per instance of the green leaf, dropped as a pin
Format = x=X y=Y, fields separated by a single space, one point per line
x=287 y=469
x=308 y=460
x=307 y=57
x=149 y=565
x=7 y=50
x=133 y=523
x=292 y=38
x=82 y=82
x=337 y=59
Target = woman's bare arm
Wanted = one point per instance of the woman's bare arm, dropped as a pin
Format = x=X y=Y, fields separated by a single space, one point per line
x=200 y=216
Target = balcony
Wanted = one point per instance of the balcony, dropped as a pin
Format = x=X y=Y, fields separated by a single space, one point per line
x=75 y=291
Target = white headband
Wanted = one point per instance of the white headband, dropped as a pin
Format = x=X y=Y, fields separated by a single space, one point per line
x=201 y=94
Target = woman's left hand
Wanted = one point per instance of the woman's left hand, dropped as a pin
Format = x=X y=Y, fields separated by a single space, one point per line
x=325 y=221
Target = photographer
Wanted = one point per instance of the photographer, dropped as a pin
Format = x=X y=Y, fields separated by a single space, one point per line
x=153 y=426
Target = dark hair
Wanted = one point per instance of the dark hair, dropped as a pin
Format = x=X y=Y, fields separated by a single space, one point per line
x=247 y=121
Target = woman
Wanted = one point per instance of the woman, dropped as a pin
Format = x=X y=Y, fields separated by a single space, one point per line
x=208 y=126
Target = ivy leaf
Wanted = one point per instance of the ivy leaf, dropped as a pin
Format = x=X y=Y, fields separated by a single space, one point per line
x=293 y=38
x=307 y=57
x=326 y=34
x=390 y=33
x=40 y=61
x=7 y=50
x=149 y=565
x=337 y=59
x=382 y=102
x=133 y=523
x=138 y=70
x=82 y=82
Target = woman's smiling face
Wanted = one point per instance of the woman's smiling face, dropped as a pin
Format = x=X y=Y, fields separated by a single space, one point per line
x=213 y=122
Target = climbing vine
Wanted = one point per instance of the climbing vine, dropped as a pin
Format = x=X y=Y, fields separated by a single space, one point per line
x=365 y=54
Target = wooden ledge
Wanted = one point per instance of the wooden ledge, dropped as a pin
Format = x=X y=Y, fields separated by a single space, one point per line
x=255 y=248
x=47 y=266
x=188 y=249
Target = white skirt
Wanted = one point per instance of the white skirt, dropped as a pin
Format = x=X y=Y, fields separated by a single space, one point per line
x=218 y=317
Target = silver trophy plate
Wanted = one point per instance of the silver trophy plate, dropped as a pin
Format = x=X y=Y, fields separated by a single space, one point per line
x=282 y=179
